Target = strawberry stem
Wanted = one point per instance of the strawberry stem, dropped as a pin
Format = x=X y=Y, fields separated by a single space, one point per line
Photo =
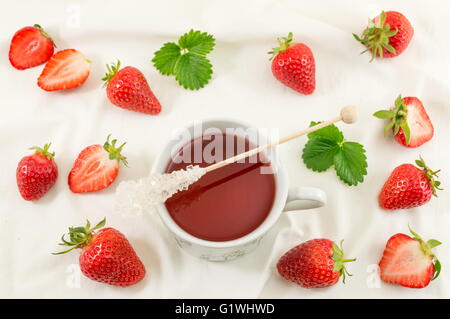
x=284 y=43
x=79 y=237
x=348 y=260
x=111 y=72
x=431 y=176
x=114 y=152
x=376 y=37
x=427 y=249
x=339 y=261
x=44 y=151
x=44 y=33
x=398 y=115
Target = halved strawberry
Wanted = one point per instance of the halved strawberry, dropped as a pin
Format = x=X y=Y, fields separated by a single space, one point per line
x=409 y=261
x=67 y=69
x=409 y=122
x=96 y=167
x=30 y=46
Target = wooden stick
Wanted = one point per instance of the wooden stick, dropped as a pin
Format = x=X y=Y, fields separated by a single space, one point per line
x=348 y=115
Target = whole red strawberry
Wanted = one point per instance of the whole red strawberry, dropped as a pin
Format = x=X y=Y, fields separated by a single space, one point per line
x=316 y=263
x=127 y=88
x=293 y=65
x=408 y=121
x=30 y=46
x=387 y=35
x=409 y=186
x=106 y=255
x=409 y=261
x=36 y=173
x=96 y=167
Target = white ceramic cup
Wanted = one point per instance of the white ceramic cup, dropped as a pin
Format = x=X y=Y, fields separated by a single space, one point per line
x=286 y=199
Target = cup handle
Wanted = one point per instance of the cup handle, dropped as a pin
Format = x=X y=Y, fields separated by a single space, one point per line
x=301 y=198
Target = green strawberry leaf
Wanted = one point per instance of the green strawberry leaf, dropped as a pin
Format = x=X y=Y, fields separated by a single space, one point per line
x=197 y=42
x=318 y=154
x=350 y=163
x=166 y=58
x=193 y=71
x=186 y=60
x=330 y=132
x=327 y=147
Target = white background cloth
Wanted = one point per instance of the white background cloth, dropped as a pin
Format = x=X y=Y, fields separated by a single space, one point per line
x=242 y=87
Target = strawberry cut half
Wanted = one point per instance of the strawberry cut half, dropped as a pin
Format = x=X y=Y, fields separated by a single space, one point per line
x=96 y=167
x=409 y=261
x=67 y=69
x=30 y=47
x=409 y=122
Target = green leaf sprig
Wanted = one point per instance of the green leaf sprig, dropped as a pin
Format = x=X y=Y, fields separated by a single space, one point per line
x=187 y=60
x=327 y=147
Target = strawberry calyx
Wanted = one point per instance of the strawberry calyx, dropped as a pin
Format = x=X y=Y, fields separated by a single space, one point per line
x=44 y=151
x=376 y=37
x=284 y=43
x=431 y=175
x=44 y=33
x=79 y=237
x=114 y=152
x=111 y=72
x=398 y=115
x=427 y=249
x=339 y=261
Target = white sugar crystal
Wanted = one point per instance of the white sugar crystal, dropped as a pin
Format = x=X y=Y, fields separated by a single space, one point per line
x=138 y=196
